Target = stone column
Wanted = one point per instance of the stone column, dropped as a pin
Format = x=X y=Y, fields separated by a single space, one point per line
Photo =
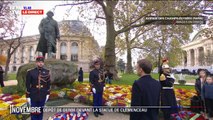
x=27 y=51
x=80 y=49
x=68 y=51
x=188 y=57
x=58 y=50
x=196 y=53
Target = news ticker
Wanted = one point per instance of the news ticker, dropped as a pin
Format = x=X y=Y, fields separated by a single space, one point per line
x=176 y=20
x=56 y=109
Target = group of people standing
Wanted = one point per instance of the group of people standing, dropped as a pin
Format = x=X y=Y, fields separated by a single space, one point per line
x=149 y=92
x=146 y=91
x=204 y=89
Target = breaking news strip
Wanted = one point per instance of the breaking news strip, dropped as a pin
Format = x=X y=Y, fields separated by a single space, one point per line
x=55 y=109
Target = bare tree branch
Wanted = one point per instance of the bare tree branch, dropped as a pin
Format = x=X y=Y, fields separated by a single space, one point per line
x=101 y=3
x=139 y=47
x=80 y=3
x=130 y=26
x=139 y=34
x=96 y=17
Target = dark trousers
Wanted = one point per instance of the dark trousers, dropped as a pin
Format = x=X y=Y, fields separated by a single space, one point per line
x=37 y=104
x=168 y=99
x=2 y=83
x=109 y=81
x=97 y=100
x=209 y=107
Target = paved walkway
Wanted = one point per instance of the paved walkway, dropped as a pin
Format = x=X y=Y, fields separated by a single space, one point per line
x=10 y=82
x=106 y=116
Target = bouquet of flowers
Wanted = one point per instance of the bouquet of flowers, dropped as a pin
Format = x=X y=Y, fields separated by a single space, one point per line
x=187 y=115
x=61 y=94
x=70 y=116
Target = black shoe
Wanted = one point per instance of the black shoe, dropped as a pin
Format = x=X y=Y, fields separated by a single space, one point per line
x=96 y=114
x=100 y=113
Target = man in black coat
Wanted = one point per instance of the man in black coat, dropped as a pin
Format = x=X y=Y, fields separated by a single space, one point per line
x=1 y=77
x=145 y=92
x=49 y=32
x=38 y=87
x=97 y=82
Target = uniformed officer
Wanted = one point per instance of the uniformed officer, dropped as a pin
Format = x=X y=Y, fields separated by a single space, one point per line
x=96 y=79
x=167 y=93
x=38 y=87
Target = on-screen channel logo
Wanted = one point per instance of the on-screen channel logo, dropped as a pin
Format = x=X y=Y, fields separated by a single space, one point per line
x=27 y=10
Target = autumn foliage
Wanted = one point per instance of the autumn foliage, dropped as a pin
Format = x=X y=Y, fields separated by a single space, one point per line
x=3 y=59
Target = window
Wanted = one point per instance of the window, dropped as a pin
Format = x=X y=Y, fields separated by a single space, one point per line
x=63 y=49
x=14 y=68
x=74 y=52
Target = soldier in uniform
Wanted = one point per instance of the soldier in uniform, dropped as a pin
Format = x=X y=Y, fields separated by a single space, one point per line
x=38 y=87
x=96 y=79
x=49 y=32
x=167 y=93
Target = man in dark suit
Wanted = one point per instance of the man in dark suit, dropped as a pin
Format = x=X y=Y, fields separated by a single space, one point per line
x=38 y=87
x=145 y=92
x=96 y=79
x=1 y=77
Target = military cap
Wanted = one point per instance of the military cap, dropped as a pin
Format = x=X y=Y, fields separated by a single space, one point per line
x=40 y=58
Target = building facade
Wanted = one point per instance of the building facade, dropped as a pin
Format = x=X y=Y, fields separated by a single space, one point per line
x=76 y=44
x=199 y=52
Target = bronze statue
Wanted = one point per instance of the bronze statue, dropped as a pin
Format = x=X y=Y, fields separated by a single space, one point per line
x=49 y=32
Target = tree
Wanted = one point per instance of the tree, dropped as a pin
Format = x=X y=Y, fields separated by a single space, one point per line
x=135 y=37
x=107 y=10
x=11 y=34
x=162 y=37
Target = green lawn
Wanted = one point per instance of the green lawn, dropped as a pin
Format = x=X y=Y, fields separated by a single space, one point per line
x=12 y=76
x=86 y=75
x=128 y=79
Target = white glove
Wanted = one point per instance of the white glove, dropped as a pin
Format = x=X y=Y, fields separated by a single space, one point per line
x=172 y=76
x=47 y=97
x=29 y=101
x=93 y=90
